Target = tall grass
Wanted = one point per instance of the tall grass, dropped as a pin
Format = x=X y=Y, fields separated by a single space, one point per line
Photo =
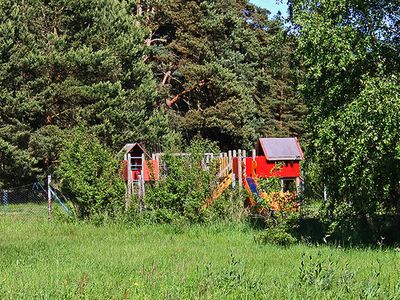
x=49 y=260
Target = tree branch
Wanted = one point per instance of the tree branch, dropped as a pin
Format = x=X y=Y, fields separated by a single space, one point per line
x=167 y=76
x=150 y=41
x=172 y=101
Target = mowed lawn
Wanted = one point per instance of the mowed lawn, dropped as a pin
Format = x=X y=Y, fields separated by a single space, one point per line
x=50 y=260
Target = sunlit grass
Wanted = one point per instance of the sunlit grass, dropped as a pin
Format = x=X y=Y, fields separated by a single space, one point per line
x=24 y=209
x=46 y=260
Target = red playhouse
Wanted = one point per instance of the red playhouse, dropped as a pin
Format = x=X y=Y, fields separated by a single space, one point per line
x=274 y=157
x=138 y=164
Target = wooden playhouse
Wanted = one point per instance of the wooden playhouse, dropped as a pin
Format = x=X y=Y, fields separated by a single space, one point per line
x=138 y=164
x=274 y=157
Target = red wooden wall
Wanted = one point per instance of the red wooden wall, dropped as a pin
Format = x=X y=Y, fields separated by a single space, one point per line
x=151 y=171
x=266 y=169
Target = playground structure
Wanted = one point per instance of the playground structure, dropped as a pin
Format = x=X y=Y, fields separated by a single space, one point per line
x=277 y=158
x=138 y=167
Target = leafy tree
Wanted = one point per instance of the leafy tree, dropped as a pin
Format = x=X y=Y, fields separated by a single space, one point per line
x=45 y=144
x=282 y=101
x=351 y=57
x=70 y=63
x=147 y=71
x=89 y=176
x=14 y=161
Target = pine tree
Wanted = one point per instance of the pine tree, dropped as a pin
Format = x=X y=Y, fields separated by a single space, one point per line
x=65 y=64
x=143 y=70
x=221 y=69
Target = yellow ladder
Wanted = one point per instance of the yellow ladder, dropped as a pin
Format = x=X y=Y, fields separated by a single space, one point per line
x=226 y=182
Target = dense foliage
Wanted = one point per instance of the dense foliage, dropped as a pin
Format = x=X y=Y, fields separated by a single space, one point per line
x=184 y=187
x=158 y=72
x=351 y=86
x=89 y=175
x=226 y=70
x=140 y=71
x=65 y=64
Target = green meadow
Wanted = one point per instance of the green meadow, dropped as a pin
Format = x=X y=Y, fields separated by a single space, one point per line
x=52 y=260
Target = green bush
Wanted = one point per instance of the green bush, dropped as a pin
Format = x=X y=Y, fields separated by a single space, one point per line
x=184 y=186
x=281 y=230
x=276 y=236
x=89 y=177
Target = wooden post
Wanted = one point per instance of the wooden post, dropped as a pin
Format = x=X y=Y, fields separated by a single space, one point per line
x=141 y=183
x=143 y=162
x=225 y=164
x=140 y=192
x=253 y=154
x=230 y=169
x=234 y=175
x=244 y=155
x=298 y=186
x=49 y=197
x=240 y=171
x=129 y=183
x=230 y=161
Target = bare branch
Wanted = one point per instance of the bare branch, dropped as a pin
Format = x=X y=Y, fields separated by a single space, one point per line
x=167 y=76
x=172 y=101
x=150 y=41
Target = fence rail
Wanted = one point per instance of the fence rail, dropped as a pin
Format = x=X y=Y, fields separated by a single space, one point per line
x=23 y=201
x=29 y=201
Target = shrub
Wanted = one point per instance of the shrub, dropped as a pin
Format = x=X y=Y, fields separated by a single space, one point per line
x=184 y=186
x=276 y=236
x=281 y=229
x=89 y=176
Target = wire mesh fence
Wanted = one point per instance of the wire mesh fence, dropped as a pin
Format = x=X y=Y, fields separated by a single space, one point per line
x=28 y=201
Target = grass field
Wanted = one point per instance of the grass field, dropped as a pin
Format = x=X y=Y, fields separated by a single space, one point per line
x=42 y=260
x=25 y=209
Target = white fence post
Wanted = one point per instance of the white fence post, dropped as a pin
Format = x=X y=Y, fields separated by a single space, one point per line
x=129 y=183
x=49 y=197
x=240 y=170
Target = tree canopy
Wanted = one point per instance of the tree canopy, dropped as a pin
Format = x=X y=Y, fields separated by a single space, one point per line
x=140 y=71
x=226 y=70
x=66 y=64
x=351 y=58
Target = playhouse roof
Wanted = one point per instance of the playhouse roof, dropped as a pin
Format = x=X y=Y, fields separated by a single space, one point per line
x=129 y=147
x=281 y=148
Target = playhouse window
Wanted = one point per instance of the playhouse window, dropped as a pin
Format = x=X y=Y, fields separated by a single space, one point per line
x=136 y=163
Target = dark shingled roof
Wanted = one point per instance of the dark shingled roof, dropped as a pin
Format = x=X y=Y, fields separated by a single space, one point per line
x=280 y=148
